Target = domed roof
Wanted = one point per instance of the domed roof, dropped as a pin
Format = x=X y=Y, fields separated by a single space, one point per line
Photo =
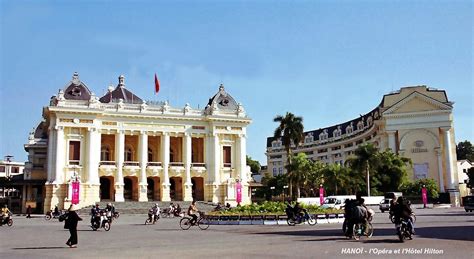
x=120 y=92
x=223 y=100
x=76 y=89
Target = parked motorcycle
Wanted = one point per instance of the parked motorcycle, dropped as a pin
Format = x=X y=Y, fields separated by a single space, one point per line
x=6 y=221
x=101 y=221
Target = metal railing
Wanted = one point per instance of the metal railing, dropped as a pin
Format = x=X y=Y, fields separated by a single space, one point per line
x=131 y=163
x=74 y=162
x=154 y=164
x=107 y=163
x=177 y=164
x=198 y=165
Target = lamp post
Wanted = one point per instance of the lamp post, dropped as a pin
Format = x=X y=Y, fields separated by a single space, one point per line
x=284 y=192
x=272 y=188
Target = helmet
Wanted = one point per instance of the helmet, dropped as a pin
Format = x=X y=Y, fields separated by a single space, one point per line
x=156 y=204
x=109 y=204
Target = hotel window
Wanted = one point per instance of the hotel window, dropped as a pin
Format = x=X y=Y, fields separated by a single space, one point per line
x=150 y=155
x=308 y=138
x=74 y=152
x=280 y=170
x=128 y=154
x=360 y=125
x=274 y=171
x=105 y=154
x=227 y=156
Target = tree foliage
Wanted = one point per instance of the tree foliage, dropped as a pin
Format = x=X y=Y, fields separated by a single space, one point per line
x=254 y=165
x=465 y=150
x=414 y=188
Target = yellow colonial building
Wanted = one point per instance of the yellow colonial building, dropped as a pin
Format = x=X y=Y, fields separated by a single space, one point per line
x=415 y=122
x=122 y=148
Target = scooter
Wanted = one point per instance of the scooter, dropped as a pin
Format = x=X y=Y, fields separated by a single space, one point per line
x=51 y=215
x=101 y=221
x=6 y=221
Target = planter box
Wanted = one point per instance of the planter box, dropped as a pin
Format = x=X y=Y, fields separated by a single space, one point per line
x=257 y=220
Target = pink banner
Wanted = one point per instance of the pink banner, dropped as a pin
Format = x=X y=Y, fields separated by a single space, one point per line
x=75 y=192
x=424 y=196
x=238 y=188
x=321 y=195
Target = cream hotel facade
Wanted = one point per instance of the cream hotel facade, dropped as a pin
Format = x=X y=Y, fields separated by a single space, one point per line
x=122 y=148
x=415 y=122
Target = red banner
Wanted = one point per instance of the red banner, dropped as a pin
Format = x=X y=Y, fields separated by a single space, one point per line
x=75 y=192
x=321 y=195
x=238 y=188
x=424 y=196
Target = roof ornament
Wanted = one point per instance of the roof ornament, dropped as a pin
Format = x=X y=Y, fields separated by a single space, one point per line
x=110 y=88
x=221 y=87
x=122 y=81
x=75 y=78
x=186 y=108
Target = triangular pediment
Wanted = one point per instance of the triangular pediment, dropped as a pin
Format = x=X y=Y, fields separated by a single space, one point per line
x=417 y=102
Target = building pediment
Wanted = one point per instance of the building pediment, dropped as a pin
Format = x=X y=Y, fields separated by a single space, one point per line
x=415 y=103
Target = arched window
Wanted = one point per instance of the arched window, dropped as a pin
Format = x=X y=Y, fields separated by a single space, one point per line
x=349 y=129
x=150 y=155
x=104 y=153
x=128 y=154
x=360 y=125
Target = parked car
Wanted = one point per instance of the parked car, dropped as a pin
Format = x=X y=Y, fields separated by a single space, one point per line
x=468 y=203
x=384 y=205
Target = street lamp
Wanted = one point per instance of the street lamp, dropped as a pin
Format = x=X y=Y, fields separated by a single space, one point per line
x=284 y=192
x=272 y=188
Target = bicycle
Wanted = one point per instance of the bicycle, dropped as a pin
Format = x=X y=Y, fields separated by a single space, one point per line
x=202 y=222
x=359 y=230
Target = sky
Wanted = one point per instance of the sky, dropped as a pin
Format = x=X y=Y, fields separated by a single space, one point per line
x=327 y=61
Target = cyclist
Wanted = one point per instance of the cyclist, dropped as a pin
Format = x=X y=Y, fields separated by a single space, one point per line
x=192 y=211
x=5 y=212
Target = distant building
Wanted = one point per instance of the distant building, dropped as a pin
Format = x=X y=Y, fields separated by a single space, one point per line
x=415 y=122
x=120 y=147
x=12 y=185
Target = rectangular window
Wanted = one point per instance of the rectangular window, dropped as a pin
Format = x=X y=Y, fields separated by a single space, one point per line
x=2 y=169
x=274 y=171
x=15 y=170
x=227 y=156
x=74 y=152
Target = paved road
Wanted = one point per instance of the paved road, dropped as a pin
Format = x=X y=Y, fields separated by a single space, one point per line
x=445 y=231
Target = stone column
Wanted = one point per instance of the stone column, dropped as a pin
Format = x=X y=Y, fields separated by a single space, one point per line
x=60 y=156
x=451 y=187
x=93 y=152
x=188 y=186
x=391 y=141
x=119 y=158
x=439 y=154
x=165 y=158
x=143 y=153
x=242 y=167
x=51 y=149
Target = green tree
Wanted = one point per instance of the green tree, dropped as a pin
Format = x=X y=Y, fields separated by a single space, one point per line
x=391 y=172
x=470 y=175
x=366 y=157
x=290 y=131
x=336 y=178
x=414 y=188
x=300 y=170
x=254 y=165
x=315 y=178
x=465 y=150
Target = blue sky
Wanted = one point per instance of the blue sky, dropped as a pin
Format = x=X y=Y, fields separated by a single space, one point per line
x=327 y=61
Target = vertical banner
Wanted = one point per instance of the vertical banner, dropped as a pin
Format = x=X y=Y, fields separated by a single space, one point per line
x=75 y=192
x=321 y=195
x=238 y=188
x=424 y=196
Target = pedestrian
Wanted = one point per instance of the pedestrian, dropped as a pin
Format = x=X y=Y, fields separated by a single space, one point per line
x=28 y=212
x=71 y=224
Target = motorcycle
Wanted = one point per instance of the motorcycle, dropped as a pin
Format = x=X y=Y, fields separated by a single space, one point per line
x=152 y=219
x=294 y=219
x=51 y=215
x=360 y=229
x=404 y=230
x=6 y=220
x=101 y=221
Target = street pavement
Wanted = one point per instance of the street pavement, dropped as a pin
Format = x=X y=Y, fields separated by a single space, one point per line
x=440 y=233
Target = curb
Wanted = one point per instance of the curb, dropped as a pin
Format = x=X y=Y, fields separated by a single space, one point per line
x=269 y=219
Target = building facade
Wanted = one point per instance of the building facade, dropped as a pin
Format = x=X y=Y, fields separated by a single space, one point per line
x=414 y=122
x=463 y=167
x=120 y=147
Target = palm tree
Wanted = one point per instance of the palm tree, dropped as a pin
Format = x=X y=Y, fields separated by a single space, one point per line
x=290 y=131
x=335 y=176
x=366 y=156
x=301 y=168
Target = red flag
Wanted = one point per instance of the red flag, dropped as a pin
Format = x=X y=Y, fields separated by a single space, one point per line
x=157 y=84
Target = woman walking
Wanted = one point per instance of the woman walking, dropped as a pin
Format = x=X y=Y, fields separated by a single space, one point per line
x=71 y=224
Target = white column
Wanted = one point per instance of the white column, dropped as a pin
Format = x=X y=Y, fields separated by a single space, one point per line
x=242 y=160
x=165 y=158
x=187 y=165
x=449 y=158
x=119 y=158
x=391 y=141
x=440 y=169
x=51 y=162
x=217 y=161
x=143 y=152
x=60 y=156
x=93 y=152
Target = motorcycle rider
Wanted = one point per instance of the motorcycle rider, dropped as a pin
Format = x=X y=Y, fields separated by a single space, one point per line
x=5 y=213
x=298 y=212
x=56 y=211
x=402 y=210
x=95 y=214
x=110 y=211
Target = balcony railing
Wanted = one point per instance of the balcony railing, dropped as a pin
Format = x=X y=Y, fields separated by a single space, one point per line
x=177 y=164
x=154 y=164
x=107 y=163
x=131 y=163
x=198 y=164
x=227 y=165
x=74 y=162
